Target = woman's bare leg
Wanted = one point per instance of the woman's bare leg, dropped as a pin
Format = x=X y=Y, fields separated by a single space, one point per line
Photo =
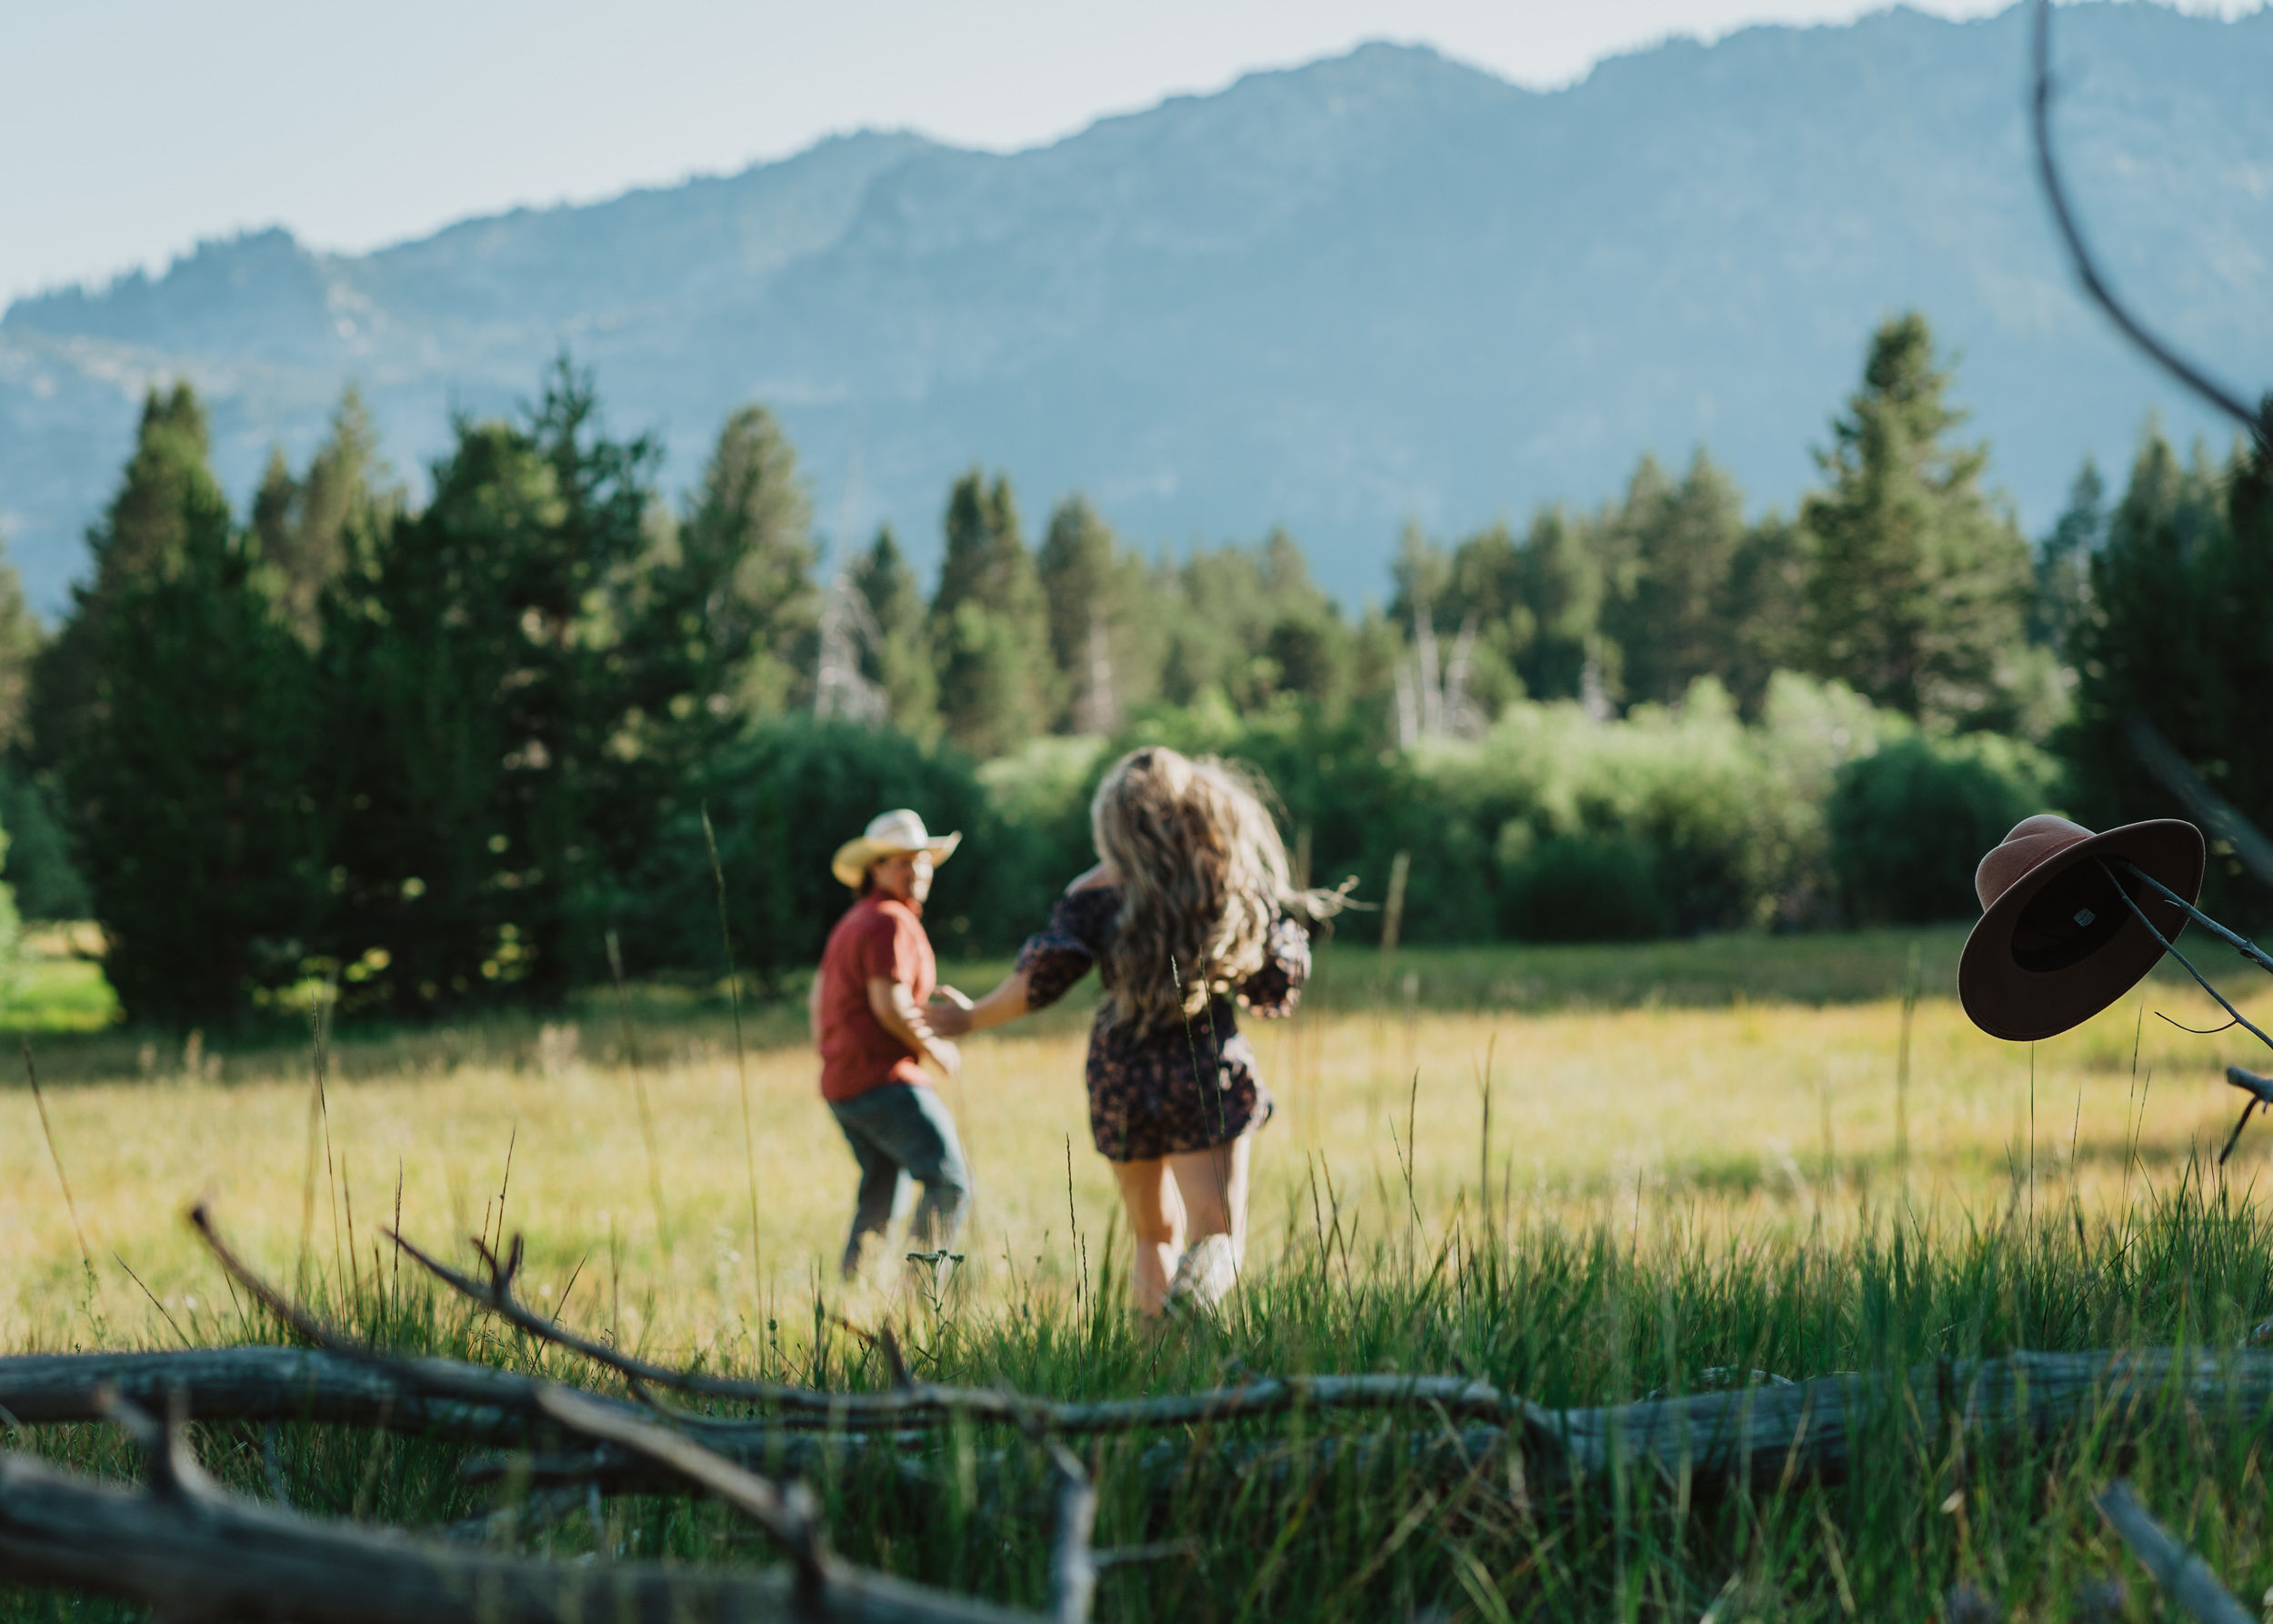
x=1155 y=1218
x=1214 y=1185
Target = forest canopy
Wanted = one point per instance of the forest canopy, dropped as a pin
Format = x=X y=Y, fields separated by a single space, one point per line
x=437 y=753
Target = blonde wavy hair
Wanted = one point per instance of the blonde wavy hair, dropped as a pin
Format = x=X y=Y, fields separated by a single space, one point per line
x=1203 y=874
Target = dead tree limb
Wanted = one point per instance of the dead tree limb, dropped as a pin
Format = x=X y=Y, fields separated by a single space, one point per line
x=263 y=1384
x=2184 y=1577
x=2259 y=421
x=922 y=1403
x=1765 y=1436
x=1762 y=1437
x=1756 y=1434
x=266 y=1385
x=185 y=1546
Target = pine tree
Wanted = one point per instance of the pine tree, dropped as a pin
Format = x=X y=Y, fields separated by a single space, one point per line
x=1106 y=640
x=1763 y=605
x=1078 y=570
x=1422 y=575
x=1679 y=545
x=165 y=477
x=1920 y=586
x=1481 y=588
x=899 y=660
x=486 y=770
x=1249 y=625
x=2173 y=631
x=2063 y=580
x=20 y=645
x=742 y=589
x=1307 y=650
x=199 y=838
x=40 y=859
x=1554 y=621
x=303 y=524
x=990 y=625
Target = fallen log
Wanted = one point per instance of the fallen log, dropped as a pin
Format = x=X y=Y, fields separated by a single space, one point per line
x=1766 y=1436
x=1760 y=1435
x=192 y=1551
x=263 y=1385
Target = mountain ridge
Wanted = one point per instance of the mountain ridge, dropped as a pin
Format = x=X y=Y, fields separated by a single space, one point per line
x=1381 y=286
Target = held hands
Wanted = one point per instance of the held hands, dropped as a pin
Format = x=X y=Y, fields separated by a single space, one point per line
x=949 y=1013
x=943 y=1054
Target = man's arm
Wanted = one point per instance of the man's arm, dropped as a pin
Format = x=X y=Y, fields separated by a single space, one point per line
x=813 y=1009
x=895 y=1011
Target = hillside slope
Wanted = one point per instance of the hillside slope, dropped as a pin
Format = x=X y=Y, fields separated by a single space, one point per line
x=1378 y=287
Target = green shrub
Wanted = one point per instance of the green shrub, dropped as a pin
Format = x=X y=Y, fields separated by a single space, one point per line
x=1354 y=806
x=1686 y=786
x=1580 y=888
x=1039 y=801
x=1909 y=823
x=782 y=799
x=46 y=883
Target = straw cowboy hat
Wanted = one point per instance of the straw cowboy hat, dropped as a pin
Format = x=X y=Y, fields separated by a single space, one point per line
x=891 y=835
x=2056 y=944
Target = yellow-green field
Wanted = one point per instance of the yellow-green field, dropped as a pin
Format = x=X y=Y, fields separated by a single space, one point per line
x=1701 y=1083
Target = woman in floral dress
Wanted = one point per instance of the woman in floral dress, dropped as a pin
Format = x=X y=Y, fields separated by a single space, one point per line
x=1189 y=917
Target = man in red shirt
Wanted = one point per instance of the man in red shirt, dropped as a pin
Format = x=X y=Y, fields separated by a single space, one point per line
x=867 y=1014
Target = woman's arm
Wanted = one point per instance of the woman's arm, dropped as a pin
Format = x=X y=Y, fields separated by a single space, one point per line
x=998 y=1007
x=1050 y=963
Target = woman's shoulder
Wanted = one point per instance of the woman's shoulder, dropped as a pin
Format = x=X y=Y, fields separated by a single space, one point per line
x=1087 y=909
x=1095 y=878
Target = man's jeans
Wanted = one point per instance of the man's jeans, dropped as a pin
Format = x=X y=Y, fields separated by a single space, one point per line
x=897 y=1131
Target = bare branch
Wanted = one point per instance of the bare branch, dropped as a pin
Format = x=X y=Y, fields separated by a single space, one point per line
x=921 y=1402
x=168 y=1467
x=472 y=1384
x=2184 y=1575
x=2088 y=270
x=2208 y=808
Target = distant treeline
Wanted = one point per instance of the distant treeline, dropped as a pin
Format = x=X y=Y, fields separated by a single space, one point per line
x=448 y=753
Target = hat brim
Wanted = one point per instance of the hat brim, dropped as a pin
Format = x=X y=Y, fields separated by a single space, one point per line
x=2019 y=985
x=853 y=859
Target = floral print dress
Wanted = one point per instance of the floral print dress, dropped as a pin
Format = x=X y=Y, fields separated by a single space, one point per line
x=1146 y=1097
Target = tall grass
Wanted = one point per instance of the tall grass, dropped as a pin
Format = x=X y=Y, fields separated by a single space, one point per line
x=1252 y=1521
x=1670 y=1184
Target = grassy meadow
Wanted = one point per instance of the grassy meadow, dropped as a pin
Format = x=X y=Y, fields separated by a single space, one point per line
x=1585 y=1174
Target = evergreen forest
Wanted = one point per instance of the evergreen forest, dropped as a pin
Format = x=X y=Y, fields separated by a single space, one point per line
x=475 y=749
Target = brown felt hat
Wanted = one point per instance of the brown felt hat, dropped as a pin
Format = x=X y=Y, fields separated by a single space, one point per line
x=2056 y=944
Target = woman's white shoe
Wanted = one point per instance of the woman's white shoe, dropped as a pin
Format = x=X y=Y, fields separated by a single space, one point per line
x=1204 y=1275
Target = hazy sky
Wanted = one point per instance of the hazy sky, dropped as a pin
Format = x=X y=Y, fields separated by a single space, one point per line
x=131 y=128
